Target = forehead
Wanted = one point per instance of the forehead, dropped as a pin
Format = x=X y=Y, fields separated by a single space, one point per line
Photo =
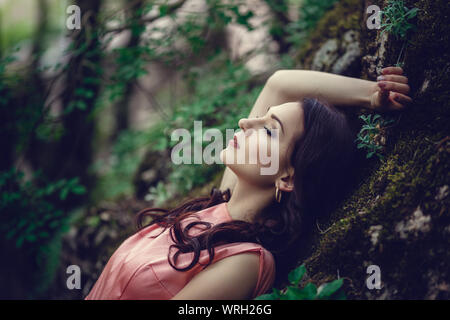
x=291 y=115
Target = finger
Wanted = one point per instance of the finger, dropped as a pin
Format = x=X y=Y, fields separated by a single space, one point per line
x=394 y=86
x=403 y=99
x=395 y=103
x=393 y=78
x=392 y=70
x=384 y=94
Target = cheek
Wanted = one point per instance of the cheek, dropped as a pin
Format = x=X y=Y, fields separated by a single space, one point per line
x=267 y=150
x=268 y=145
x=252 y=145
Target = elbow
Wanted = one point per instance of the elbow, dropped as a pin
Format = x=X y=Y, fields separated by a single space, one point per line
x=280 y=80
x=275 y=79
x=278 y=83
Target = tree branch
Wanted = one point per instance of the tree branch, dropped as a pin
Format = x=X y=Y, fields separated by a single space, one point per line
x=170 y=8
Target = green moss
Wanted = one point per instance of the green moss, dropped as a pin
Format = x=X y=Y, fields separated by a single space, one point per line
x=346 y=15
x=337 y=248
x=414 y=169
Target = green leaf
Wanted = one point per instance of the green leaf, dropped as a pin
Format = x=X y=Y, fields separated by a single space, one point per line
x=54 y=224
x=268 y=296
x=163 y=9
x=327 y=289
x=296 y=275
x=93 y=221
x=63 y=194
x=309 y=292
x=21 y=224
x=65 y=228
x=31 y=237
x=43 y=234
x=19 y=242
x=292 y=293
x=412 y=13
x=79 y=189
x=367 y=127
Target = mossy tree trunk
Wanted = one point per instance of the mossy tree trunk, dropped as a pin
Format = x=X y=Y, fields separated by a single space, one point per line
x=398 y=215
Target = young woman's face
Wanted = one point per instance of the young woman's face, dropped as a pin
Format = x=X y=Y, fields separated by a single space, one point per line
x=265 y=144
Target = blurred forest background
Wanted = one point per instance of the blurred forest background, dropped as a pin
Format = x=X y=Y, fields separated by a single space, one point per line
x=86 y=117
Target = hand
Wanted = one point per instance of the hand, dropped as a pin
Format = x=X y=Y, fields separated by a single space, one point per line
x=391 y=91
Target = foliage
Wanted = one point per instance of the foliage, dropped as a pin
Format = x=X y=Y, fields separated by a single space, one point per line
x=193 y=31
x=276 y=28
x=232 y=100
x=159 y=194
x=413 y=173
x=310 y=12
x=32 y=218
x=395 y=18
x=369 y=134
x=16 y=123
x=326 y=291
x=130 y=64
x=130 y=60
x=33 y=210
x=5 y=94
x=162 y=44
x=222 y=13
x=30 y=213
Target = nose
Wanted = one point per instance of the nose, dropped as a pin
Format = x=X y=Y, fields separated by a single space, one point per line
x=246 y=124
x=242 y=123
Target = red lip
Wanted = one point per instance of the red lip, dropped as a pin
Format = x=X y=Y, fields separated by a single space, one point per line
x=236 y=145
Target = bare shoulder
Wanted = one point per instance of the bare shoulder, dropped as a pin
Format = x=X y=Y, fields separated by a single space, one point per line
x=244 y=262
x=233 y=277
x=245 y=259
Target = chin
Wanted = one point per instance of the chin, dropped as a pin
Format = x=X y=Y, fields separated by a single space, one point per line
x=225 y=153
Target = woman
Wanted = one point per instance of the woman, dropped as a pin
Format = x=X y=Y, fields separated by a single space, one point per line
x=234 y=244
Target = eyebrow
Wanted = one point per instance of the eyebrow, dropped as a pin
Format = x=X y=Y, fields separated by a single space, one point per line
x=276 y=118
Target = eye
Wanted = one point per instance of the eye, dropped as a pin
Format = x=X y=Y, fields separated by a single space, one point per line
x=268 y=131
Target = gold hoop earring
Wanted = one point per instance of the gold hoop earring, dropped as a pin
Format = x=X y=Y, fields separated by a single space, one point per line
x=278 y=194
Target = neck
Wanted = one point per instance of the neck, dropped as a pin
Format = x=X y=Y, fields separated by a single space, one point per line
x=247 y=201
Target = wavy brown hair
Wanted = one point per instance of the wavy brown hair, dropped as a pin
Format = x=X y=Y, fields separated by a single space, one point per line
x=322 y=159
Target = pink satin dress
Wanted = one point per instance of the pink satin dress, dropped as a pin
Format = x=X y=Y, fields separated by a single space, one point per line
x=139 y=269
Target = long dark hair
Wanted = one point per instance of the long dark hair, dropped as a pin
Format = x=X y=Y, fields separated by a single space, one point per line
x=322 y=159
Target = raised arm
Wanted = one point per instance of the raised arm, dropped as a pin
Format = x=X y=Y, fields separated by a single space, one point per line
x=294 y=85
x=389 y=93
